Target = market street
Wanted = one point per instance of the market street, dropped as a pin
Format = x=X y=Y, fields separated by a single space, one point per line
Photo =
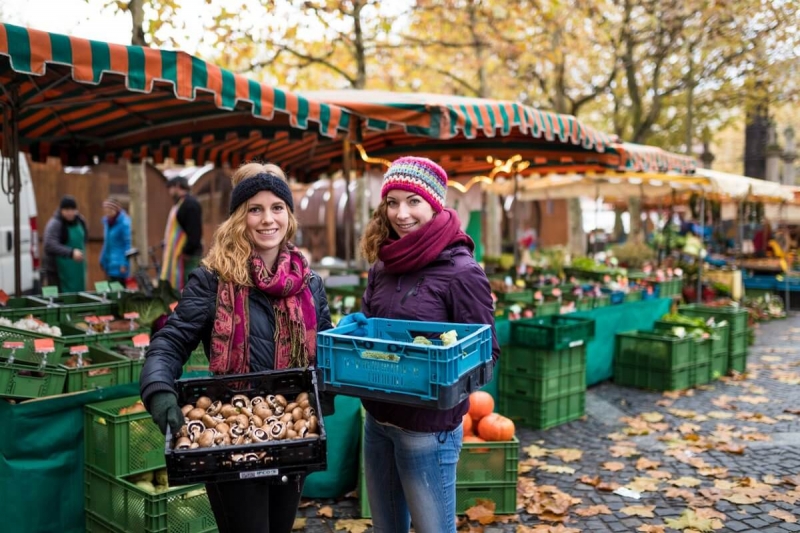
x=729 y=452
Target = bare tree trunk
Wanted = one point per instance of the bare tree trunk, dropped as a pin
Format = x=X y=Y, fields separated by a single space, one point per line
x=361 y=60
x=136 y=9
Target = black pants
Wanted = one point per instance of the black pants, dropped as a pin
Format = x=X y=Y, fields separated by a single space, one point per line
x=119 y=279
x=255 y=506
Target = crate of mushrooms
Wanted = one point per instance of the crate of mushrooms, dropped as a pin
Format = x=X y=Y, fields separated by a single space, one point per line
x=265 y=424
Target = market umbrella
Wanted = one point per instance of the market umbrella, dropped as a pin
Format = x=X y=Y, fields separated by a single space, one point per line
x=88 y=101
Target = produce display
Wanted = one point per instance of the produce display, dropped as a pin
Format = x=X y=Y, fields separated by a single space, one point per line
x=31 y=323
x=105 y=325
x=482 y=424
x=246 y=420
x=692 y=326
x=154 y=482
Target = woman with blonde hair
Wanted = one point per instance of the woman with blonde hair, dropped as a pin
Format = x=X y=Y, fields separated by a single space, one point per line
x=256 y=306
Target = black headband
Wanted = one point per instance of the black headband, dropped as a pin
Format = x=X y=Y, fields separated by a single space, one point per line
x=249 y=187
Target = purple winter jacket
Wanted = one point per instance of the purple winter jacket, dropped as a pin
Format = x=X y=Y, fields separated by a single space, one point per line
x=452 y=288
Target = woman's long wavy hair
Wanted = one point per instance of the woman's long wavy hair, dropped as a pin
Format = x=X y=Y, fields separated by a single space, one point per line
x=378 y=230
x=231 y=246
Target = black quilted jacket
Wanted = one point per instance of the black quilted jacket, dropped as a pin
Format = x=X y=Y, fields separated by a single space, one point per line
x=193 y=320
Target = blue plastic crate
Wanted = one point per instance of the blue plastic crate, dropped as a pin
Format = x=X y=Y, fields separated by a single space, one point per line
x=761 y=282
x=386 y=365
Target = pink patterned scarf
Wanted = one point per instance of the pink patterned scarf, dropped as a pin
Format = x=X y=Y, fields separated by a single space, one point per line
x=295 y=316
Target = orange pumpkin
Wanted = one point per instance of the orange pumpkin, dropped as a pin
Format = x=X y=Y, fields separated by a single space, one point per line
x=481 y=404
x=496 y=427
x=467 y=424
x=472 y=438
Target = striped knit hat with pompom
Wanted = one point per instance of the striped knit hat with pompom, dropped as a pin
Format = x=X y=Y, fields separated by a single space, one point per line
x=420 y=176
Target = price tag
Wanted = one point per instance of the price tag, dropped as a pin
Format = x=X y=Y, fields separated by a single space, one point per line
x=102 y=287
x=44 y=346
x=75 y=350
x=106 y=318
x=141 y=341
x=13 y=345
x=91 y=319
x=172 y=306
x=116 y=286
x=50 y=292
x=349 y=302
x=131 y=316
x=3 y=298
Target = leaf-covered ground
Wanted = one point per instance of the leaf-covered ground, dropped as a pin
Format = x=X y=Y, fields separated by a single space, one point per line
x=720 y=458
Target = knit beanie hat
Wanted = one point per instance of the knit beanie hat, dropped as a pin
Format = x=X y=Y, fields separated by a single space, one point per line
x=68 y=202
x=113 y=203
x=249 y=187
x=420 y=176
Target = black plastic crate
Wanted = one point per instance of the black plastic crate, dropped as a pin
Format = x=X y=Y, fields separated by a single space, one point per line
x=280 y=458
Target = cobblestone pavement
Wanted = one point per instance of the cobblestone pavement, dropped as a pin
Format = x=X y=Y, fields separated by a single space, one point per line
x=733 y=440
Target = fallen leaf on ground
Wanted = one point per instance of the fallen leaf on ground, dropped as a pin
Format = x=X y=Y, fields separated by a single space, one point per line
x=786 y=516
x=650 y=528
x=737 y=449
x=674 y=492
x=742 y=498
x=326 y=511
x=659 y=474
x=643 y=511
x=792 y=411
x=689 y=428
x=535 y=451
x=665 y=403
x=793 y=480
x=588 y=480
x=770 y=358
x=353 y=526
x=769 y=479
x=644 y=484
x=682 y=413
x=720 y=415
x=690 y=520
x=594 y=510
x=613 y=466
x=299 y=524
x=785 y=418
x=482 y=512
x=755 y=400
x=611 y=486
x=557 y=469
x=686 y=481
x=788 y=497
x=652 y=417
x=544 y=528
x=567 y=455
x=646 y=464
x=623 y=451
x=307 y=503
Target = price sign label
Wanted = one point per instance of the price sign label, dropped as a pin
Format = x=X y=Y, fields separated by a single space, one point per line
x=91 y=319
x=102 y=287
x=3 y=298
x=116 y=286
x=131 y=316
x=50 y=292
x=141 y=341
x=75 y=350
x=44 y=346
x=13 y=345
x=106 y=318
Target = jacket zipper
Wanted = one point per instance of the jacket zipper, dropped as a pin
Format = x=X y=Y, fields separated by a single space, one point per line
x=413 y=290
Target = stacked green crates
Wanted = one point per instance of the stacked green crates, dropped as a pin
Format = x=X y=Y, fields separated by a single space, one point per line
x=486 y=471
x=655 y=361
x=737 y=319
x=719 y=346
x=119 y=446
x=543 y=378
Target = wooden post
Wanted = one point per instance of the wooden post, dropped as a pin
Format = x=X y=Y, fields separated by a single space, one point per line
x=330 y=219
x=137 y=188
x=347 y=222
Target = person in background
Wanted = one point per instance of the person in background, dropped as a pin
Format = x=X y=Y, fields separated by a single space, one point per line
x=761 y=239
x=424 y=270
x=256 y=306
x=183 y=236
x=65 y=239
x=116 y=241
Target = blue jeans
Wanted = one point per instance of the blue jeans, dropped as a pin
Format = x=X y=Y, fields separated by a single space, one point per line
x=411 y=477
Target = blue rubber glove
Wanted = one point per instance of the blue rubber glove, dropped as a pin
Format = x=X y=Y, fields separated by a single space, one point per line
x=355 y=318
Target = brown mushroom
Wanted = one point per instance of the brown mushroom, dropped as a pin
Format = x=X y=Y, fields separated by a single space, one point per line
x=297 y=413
x=214 y=408
x=308 y=412
x=256 y=421
x=259 y=435
x=277 y=431
x=203 y=402
x=287 y=418
x=206 y=438
x=196 y=414
x=299 y=424
x=291 y=434
x=262 y=410
x=240 y=401
x=194 y=446
x=228 y=410
x=312 y=424
x=194 y=428
x=291 y=406
x=281 y=400
x=303 y=396
x=301 y=434
x=183 y=443
x=242 y=421
x=312 y=436
x=255 y=400
x=223 y=427
x=186 y=408
x=209 y=421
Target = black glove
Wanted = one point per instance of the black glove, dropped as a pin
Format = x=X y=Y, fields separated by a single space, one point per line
x=165 y=410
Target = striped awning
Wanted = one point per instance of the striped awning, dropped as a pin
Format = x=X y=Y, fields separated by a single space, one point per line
x=643 y=158
x=447 y=117
x=80 y=100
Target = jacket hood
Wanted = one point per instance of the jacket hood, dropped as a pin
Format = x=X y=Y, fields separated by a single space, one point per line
x=451 y=252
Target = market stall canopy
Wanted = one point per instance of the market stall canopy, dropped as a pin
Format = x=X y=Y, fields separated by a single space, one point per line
x=741 y=187
x=83 y=101
x=466 y=131
x=643 y=158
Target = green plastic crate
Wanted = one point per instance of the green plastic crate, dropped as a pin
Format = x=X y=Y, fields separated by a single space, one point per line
x=107 y=369
x=738 y=345
x=197 y=360
x=73 y=336
x=504 y=496
x=24 y=381
x=700 y=374
x=126 y=507
x=488 y=462
x=643 y=377
x=660 y=352
x=71 y=305
x=522 y=297
x=543 y=414
x=633 y=296
x=738 y=362
x=121 y=445
x=719 y=366
x=543 y=363
x=541 y=389
x=17 y=308
x=602 y=301
x=95 y=524
x=581 y=303
x=719 y=341
x=26 y=353
x=552 y=332
x=735 y=316
x=547 y=309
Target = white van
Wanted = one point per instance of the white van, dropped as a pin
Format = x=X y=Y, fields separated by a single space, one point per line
x=29 y=258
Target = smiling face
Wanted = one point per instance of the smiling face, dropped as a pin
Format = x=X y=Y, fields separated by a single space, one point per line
x=267 y=223
x=407 y=212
